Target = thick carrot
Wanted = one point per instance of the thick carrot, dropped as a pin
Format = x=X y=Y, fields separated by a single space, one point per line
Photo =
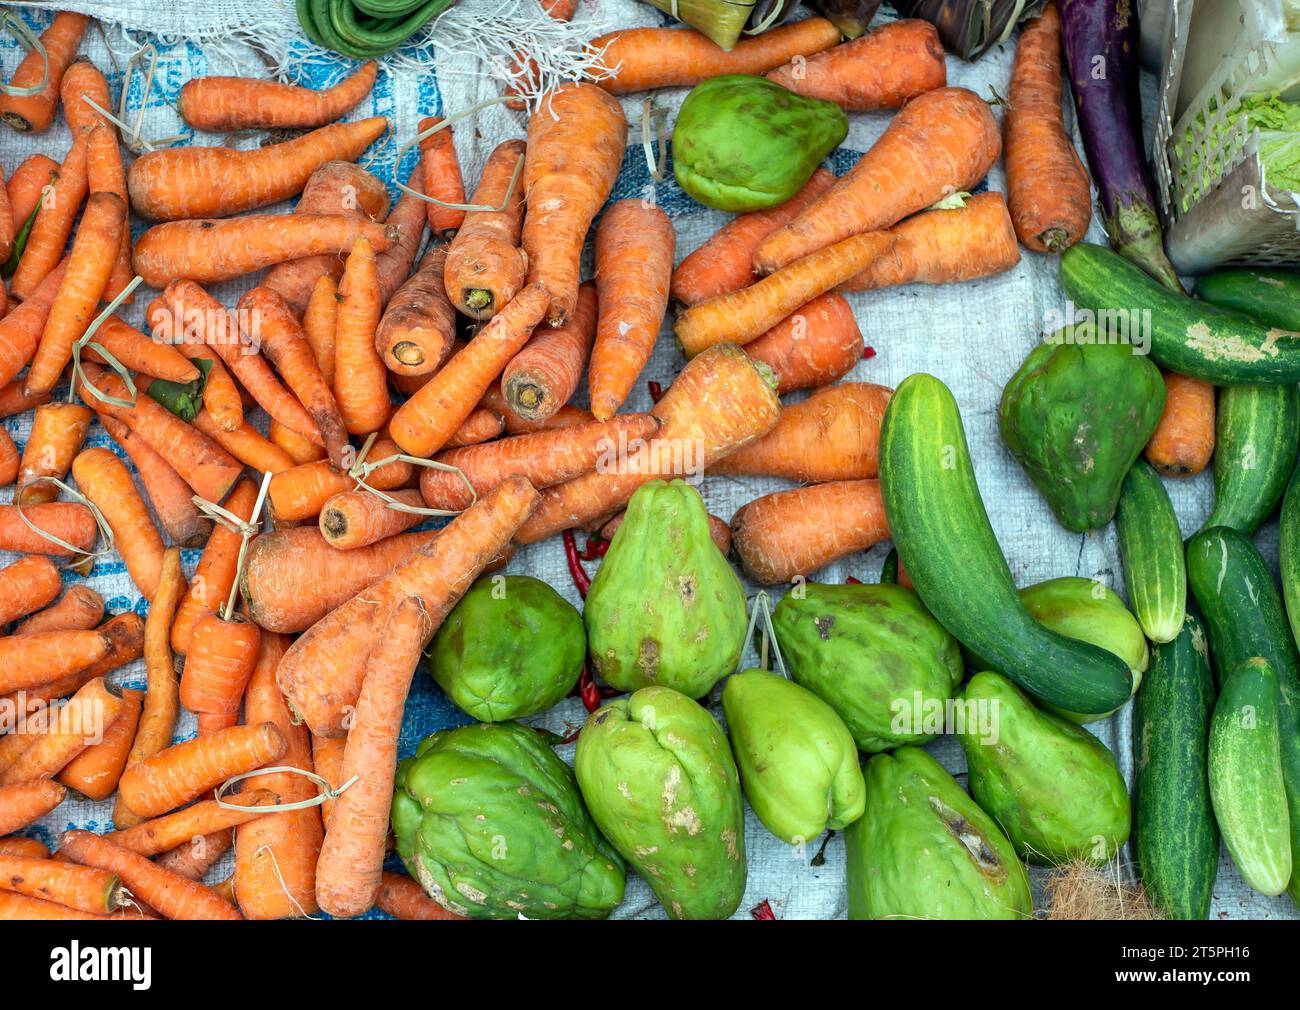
x=423 y=424
x=352 y=855
x=81 y=887
x=95 y=771
x=281 y=582
x=543 y=377
x=719 y=531
x=747 y=314
x=1047 y=186
x=18 y=845
x=814 y=345
x=546 y=458
x=301 y=492
x=297 y=447
x=30 y=660
x=222 y=104
x=418 y=328
x=172 y=499
x=80 y=723
x=25 y=802
x=205 y=182
x=795 y=533
x=69 y=521
x=83 y=80
x=640 y=59
x=218 y=662
x=393 y=265
x=327 y=757
x=28 y=185
x=80 y=609
x=20 y=330
x=169 y=893
x=319 y=321
x=575 y=151
x=360 y=383
x=162 y=834
x=1183 y=442
x=441 y=178
x=216 y=570
x=323 y=670
x=482 y=425
x=26 y=586
x=634 y=263
x=35 y=113
x=105 y=480
x=402 y=898
x=141 y=353
x=941 y=143
x=359 y=518
x=485 y=267
x=718 y=403
x=49 y=234
x=946 y=247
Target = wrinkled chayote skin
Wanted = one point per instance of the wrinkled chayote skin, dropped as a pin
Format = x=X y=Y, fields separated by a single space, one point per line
x=512 y=647
x=660 y=782
x=871 y=652
x=798 y=763
x=743 y=142
x=665 y=607
x=489 y=821
x=925 y=850
x=1053 y=787
x=1076 y=416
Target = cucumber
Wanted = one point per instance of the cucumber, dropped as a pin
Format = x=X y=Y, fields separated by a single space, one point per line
x=889 y=568
x=1288 y=552
x=1257 y=433
x=1271 y=296
x=945 y=542
x=1187 y=336
x=1151 y=548
x=1176 y=841
x=1246 y=786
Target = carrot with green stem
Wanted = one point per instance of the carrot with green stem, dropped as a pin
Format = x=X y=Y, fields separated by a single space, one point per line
x=94 y=772
x=26 y=586
x=301 y=492
x=217 y=569
x=105 y=480
x=814 y=345
x=360 y=383
x=170 y=496
x=418 y=328
x=162 y=834
x=543 y=377
x=52 y=228
x=81 y=887
x=80 y=609
x=359 y=518
x=70 y=522
x=222 y=104
x=77 y=725
x=485 y=267
x=41 y=73
x=23 y=803
x=442 y=180
x=20 y=329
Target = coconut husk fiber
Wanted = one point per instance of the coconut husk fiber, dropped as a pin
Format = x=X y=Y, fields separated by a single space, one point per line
x=1080 y=890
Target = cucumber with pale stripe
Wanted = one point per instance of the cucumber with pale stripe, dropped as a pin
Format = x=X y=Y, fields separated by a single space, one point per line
x=1257 y=433
x=1271 y=296
x=1151 y=548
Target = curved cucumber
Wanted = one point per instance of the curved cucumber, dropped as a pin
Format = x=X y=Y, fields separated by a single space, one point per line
x=1257 y=433
x=1271 y=296
x=942 y=533
x=1151 y=548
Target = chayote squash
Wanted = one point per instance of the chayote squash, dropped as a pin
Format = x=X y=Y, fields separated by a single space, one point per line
x=1076 y=416
x=665 y=607
x=659 y=779
x=875 y=655
x=1052 y=785
x=489 y=821
x=743 y=142
x=798 y=762
x=512 y=647
x=925 y=850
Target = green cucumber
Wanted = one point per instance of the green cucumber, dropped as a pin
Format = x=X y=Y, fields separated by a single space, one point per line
x=1271 y=296
x=889 y=568
x=1176 y=840
x=1187 y=336
x=1151 y=547
x=1288 y=552
x=943 y=537
x=1246 y=785
x=1257 y=433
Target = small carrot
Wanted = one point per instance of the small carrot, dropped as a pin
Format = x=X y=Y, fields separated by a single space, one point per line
x=360 y=385
x=485 y=267
x=481 y=426
x=81 y=722
x=393 y=265
x=793 y=533
x=418 y=328
x=35 y=113
x=215 y=574
x=81 y=887
x=1183 y=442
x=28 y=185
x=299 y=448
x=94 y=772
x=171 y=498
x=105 y=480
x=359 y=518
x=327 y=757
x=193 y=861
x=104 y=173
x=25 y=802
x=402 y=898
x=49 y=234
x=80 y=609
x=719 y=531
x=141 y=353
x=219 y=659
x=543 y=376
x=19 y=845
x=319 y=322
x=162 y=834
x=441 y=178
x=222 y=104
x=814 y=345
x=301 y=492
x=69 y=521
x=26 y=586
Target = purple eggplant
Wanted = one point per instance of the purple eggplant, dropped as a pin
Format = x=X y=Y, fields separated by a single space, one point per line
x=1100 y=40
x=851 y=17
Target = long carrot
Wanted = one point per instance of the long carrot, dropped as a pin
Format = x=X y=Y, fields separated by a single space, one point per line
x=359 y=518
x=215 y=573
x=25 y=802
x=35 y=113
x=301 y=492
x=327 y=757
x=1047 y=186
x=222 y=104
x=442 y=180
x=105 y=480
x=565 y=189
x=543 y=377
x=20 y=330
x=81 y=887
x=94 y=772
x=162 y=834
x=815 y=345
x=247 y=444
x=81 y=722
x=141 y=353
x=418 y=328
x=319 y=321
x=402 y=898
x=69 y=521
x=30 y=660
x=219 y=659
x=360 y=384
x=941 y=143
x=26 y=586
x=49 y=235
x=28 y=184
x=485 y=267
x=792 y=533
x=104 y=173
x=20 y=907
x=1183 y=442
x=407 y=218
x=172 y=499
x=80 y=609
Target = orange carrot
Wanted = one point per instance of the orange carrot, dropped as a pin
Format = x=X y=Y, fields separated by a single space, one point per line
x=222 y=104
x=319 y=322
x=80 y=610
x=327 y=756
x=1183 y=442
x=162 y=834
x=8 y=230
x=634 y=262
x=301 y=492
x=35 y=113
x=793 y=533
x=360 y=384
x=246 y=444
x=9 y=458
x=83 y=80
x=193 y=861
x=418 y=328
x=393 y=265
x=218 y=662
x=20 y=907
x=80 y=887
x=441 y=178
x=141 y=353
x=941 y=143
x=719 y=531
x=18 y=845
x=565 y=189
x=81 y=722
x=69 y=521
x=30 y=660
x=172 y=499
x=105 y=480
x=49 y=234
x=25 y=802
x=814 y=345
x=26 y=585
x=27 y=186
x=14 y=399
x=401 y=897
x=298 y=448
x=215 y=574
x=20 y=330
x=1047 y=186
x=359 y=518
x=95 y=771
x=561 y=10
x=485 y=267
x=481 y=426
x=542 y=377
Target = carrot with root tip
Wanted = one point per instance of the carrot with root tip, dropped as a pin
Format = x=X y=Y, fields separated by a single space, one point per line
x=418 y=327
x=95 y=771
x=25 y=802
x=393 y=265
x=442 y=180
x=402 y=898
x=172 y=499
x=480 y=426
x=485 y=267
x=319 y=320
x=105 y=480
x=140 y=353
x=222 y=104
x=360 y=382
x=1183 y=443
x=814 y=345
x=359 y=518
x=52 y=228
x=34 y=113
x=78 y=724
x=83 y=888
x=543 y=377
x=69 y=521
x=80 y=609
x=215 y=574
x=20 y=330
x=248 y=445
x=162 y=834
x=26 y=586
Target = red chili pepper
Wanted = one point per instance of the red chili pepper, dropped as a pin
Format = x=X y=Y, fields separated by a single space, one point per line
x=656 y=390
x=868 y=353
x=763 y=910
x=851 y=581
x=588 y=690
x=595 y=548
x=574 y=559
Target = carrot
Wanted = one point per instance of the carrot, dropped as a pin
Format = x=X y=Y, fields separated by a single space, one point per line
x=28 y=185
x=18 y=845
x=83 y=80
x=640 y=59
x=95 y=771
x=1183 y=442
x=20 y=907
x=221 y=397
x=26 y=586
x=30 y=660
x=360 y=384
x=634 y=263
x=301 y=492
x=105 y=480
x=561 y=10
x=485 y=267
x=219 y=660
x=327 y=756
x=418 y=328
x=170 y=496
x=298 y=448
x=20 y=330
x=941 y=143
x=215 y=574
x=393 y=265
x=281 y=582
x=81 y=722
x=213 y=722
x=481 y=426
x=193 y=861
x=162 y=834
x=546 y=458
x=423 y=424
x=9 y=458
x=35 y=113
x=719 y=531
x=169 y=893
x=81 y=887
x=441 y=178
x=1047 y=186
x=718 y=403
x=69 y=521
x=8 y=230
x=565 y=189
x=882 y=69
x=25 y=733
x=275 y=855
x=359 y=518
x=15 y=400
x=205 y=182
x=323 y=670
x=246 y=444
x=747 y=314
x=815 y=345
x=946 y=247
x=25 y=802
x=141 y=353
x=185 y=771
x=104 y=173
x=319 y=322
x=352 y=855
x=402 y=898
x=49 y=234
x=793 y=533
x=80 y=610
x=58 y=431
x=222 y=104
